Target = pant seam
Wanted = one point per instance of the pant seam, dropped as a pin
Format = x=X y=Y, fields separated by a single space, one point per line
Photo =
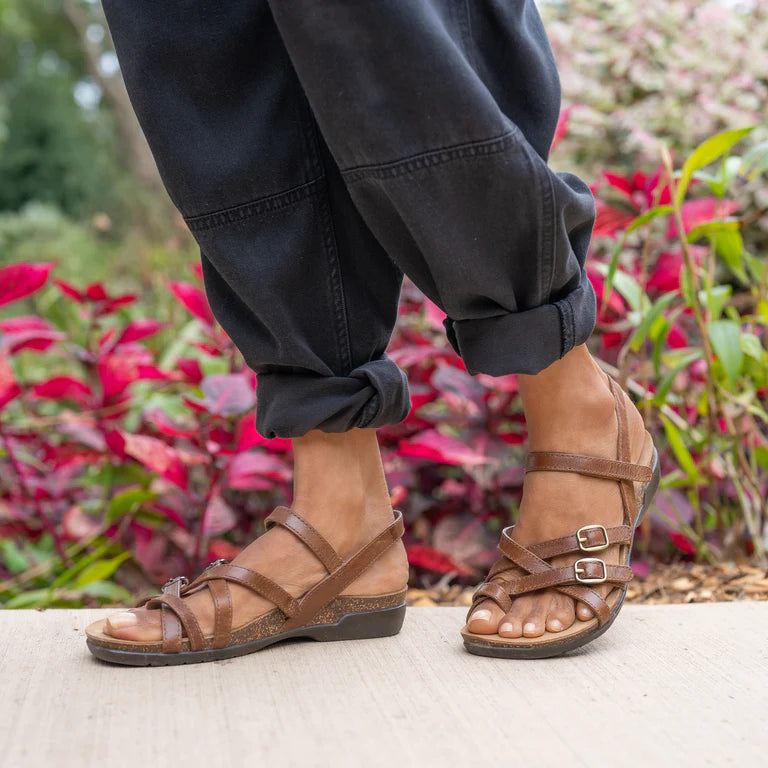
x=547 y=235
x=567 y=326
x=330 y=246
x=267 y=204
x=434 y=157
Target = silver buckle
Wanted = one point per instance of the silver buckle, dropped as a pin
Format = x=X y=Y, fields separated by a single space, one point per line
x=578 y=569
x=182 y=579
x=220 y=561
x=581 y=536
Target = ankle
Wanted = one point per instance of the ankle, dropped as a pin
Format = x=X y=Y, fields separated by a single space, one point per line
x=339 y=485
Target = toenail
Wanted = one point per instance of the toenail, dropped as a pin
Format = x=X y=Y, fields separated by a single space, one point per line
x=121 y=620
x=556 y=625
x=530 y=627
x=481 y=615
x=506 y=627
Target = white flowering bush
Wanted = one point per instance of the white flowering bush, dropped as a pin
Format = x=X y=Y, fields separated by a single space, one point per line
x=670 y=70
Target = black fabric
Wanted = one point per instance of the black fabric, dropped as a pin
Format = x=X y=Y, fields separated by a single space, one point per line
x=318 y=149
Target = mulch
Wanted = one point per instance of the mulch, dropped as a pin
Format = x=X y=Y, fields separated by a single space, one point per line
x=675 y=583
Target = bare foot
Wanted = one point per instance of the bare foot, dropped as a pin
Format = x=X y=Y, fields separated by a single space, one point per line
x=569 y=408
x=339 y=487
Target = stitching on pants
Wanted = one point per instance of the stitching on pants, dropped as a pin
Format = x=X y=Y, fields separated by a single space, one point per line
x=434 y=157
x=322 y=206
x=567 y=329
x=252 y=208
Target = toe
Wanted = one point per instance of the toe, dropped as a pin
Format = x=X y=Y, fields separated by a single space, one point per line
x=512 y=623
x=134 y=625
x=485 y=618
x=535 y=622
x=584 y=612
x=561 y=613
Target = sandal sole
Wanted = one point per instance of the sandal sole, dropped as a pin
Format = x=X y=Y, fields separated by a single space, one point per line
x=551 y=650
x=361 y=625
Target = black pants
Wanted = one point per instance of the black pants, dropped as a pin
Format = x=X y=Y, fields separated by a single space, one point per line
x=319 y=149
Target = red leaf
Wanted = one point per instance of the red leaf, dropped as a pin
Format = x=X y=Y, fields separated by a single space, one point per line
x=219 y=517
x=156 y=456
x=435 y=446
x=27 y=332
x=248 y=437
x=561 y=131
x=64 y=388
x=162 y=422
x=194 y=300
x=696 y=212
x=422 y=556
x=69 y=290
x=252 y=471
x=226 y=394
x=191 y=369
x=20 y=280
x=610 y=220
x=139 y=329
x=95 y=292
x=77 y=525
x=9 y=389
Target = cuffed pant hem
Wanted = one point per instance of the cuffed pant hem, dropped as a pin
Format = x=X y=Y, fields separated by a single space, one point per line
x=525 y=342
x=291 y=404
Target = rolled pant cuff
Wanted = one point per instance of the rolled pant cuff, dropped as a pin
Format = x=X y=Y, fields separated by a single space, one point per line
x=292 y=404
x=525 y=342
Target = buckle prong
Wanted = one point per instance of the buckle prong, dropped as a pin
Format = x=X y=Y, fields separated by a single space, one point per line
x=582 y=535
x=579 y=569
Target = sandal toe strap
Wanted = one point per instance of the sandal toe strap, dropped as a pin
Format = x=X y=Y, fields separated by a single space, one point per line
x=175 y=615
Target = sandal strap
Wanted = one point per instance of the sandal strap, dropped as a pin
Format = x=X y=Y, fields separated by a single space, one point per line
x=594 y=466
x=317 y=544
x=589 y=538
x=588 y=568
x=315 y=599
x=222 y=612
x=255 y=581
x=173 y=605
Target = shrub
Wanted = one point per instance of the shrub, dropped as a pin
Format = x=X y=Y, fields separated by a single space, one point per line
x=129 y=449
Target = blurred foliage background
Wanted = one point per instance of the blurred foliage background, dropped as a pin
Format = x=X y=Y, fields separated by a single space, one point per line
x=682 y=284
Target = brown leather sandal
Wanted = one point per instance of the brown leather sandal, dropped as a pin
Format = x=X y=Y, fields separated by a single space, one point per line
x=638 y=484
x=322 y=613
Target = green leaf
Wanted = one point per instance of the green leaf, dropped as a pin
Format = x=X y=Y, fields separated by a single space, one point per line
x=755 y=160
x=127 y=501
x=725 y=336
x=716 y=299
x=665 y=384
x=712 y=228
x=682 y=454
x=100 y=570
x=729 y=246
x=755 y=265
x=706 y=153
x=761 y=455
x=640 y=335
x=107 y=590
x=35 y=598
x=13 y=557
x=752 y=346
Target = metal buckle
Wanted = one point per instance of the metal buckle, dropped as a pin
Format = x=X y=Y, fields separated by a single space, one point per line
x=220 y=561
x=182 y=579
x=578 y=569
x=581 y=535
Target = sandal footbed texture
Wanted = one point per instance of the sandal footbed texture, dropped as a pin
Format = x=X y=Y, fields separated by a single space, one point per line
x=638 y=483
x=322 y=613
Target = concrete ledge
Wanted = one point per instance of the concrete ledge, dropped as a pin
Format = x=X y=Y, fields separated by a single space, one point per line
x=666 y=686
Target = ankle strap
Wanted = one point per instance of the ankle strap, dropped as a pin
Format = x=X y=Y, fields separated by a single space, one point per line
x=314 y=541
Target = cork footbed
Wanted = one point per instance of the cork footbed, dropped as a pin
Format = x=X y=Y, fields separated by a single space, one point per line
x=579 y=628
x=262 y=627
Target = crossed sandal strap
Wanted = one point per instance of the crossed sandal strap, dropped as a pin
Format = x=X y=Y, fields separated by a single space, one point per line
x=317 y=544
x=589 y=538
x=174 y=615
x=541 y=575
x=335 y=583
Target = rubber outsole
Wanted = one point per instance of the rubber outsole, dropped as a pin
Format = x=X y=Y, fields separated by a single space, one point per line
x=551 y=650
x=354 y=626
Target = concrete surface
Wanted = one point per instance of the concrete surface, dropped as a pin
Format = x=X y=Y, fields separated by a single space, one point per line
x=666 y=686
